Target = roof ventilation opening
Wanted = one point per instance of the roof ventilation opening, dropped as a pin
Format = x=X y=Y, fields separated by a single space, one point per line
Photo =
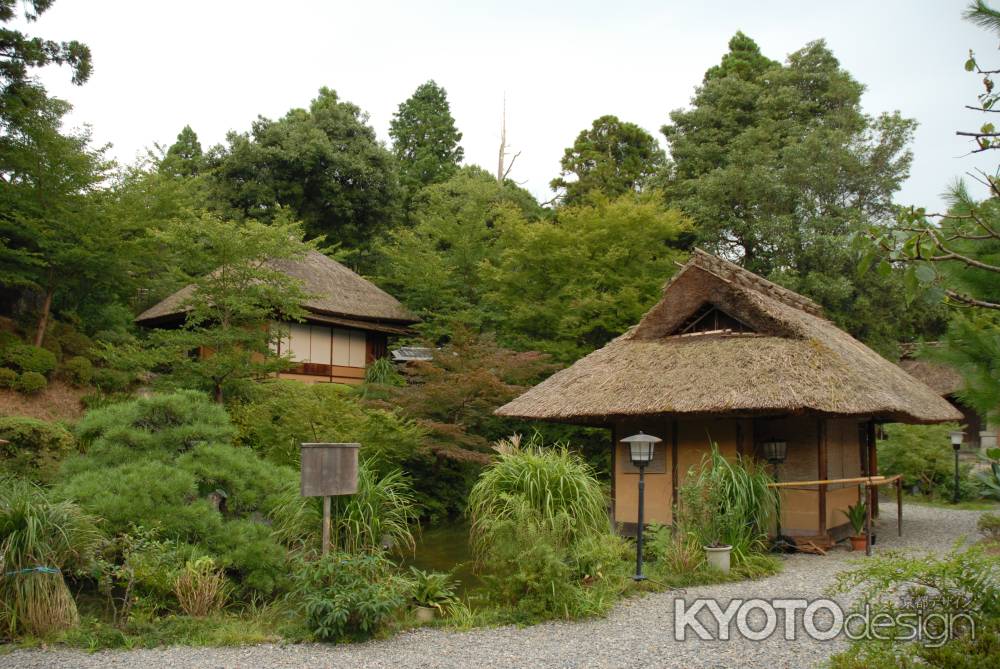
x=709 y=319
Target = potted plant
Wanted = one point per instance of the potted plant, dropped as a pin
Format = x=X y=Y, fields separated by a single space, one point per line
x=715 y=526
x=431 y=591
x=857 y=515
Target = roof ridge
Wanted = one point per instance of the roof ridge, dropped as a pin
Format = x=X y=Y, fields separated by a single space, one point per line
x=744 y=278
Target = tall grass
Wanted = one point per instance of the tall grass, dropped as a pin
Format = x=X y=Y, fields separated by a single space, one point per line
x=39 y=539
x=552 y=481
x=382 y=511
x=728 y=502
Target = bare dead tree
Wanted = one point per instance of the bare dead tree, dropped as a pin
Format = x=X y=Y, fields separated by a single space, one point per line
x=503 y=167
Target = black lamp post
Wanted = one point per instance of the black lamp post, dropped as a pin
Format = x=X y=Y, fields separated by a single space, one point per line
x=641 y=454
x=775 y=451
x=956 y=443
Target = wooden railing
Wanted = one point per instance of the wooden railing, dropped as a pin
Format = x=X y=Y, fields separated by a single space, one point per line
x=869 y=482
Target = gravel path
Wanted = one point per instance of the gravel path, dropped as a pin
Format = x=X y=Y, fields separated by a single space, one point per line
x=638 y=633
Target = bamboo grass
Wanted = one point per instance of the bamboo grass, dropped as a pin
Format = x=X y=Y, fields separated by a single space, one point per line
x=552 y=481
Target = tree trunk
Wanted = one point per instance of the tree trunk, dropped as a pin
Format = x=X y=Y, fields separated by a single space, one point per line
x=218 y=393
x=43 y=318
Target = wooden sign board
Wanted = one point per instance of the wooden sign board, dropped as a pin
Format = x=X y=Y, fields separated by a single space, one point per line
x=329 y=469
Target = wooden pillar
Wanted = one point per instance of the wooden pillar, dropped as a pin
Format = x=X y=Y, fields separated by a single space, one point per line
x=823 y=471
x=871 y=468
x=899 y=506
x=739 y=438
x=614 y=470
x=673 y=470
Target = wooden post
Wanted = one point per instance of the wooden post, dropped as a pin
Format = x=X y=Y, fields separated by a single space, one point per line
x=614 y=472
x=673 y=468
x=326 y=524
x=872 y=467
x=868 y=522
x=899 y=506
x=822 y=458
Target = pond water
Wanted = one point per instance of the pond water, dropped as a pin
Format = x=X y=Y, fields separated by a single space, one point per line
x=446 y=548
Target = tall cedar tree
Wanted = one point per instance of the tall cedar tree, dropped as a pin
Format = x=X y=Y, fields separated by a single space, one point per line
x=613 y=157
x=184 y=158
x=780 y=169
x=425 y=140
x=323 y=163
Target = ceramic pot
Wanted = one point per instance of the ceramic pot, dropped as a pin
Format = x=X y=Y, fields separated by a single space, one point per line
x=718 y=557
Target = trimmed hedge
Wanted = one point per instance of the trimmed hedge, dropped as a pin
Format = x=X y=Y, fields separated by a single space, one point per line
x=79 y=371
x=8 y=378
x=31 y=383
x=35 y=447
x=28 y=358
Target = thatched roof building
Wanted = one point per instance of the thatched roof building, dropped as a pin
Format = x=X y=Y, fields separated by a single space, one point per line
x=724 y=341
x=336 y=295
x=728 y=358
x=347 y=324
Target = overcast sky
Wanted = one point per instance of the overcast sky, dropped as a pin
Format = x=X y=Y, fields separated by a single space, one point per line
x=217 y=64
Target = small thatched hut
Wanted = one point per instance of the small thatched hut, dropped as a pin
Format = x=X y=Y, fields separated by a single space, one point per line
x=727 y=356
x=347 y=325
x=947 y=381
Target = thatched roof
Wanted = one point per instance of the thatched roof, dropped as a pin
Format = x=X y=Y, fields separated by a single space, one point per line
x=337 y=295
x=943 y=379
x=787 y=359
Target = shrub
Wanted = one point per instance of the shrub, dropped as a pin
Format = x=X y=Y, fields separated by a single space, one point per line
x=164 y=463
x=35 y=447
x=31 y=383
x=552 y=481
x=989 y=526
x=40 y=540
x=381 y=511
x=534 y=571
x=541 y=532
x=111 y=380
x=348 y=597
x=962 y=581
x=28 y=358
x=432 y=589
x=285 y=414
x=201 y=588
x=923 y=455
x=79 y=371
x=8 y=378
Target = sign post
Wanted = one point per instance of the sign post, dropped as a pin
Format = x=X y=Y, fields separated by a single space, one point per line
x=329 y=469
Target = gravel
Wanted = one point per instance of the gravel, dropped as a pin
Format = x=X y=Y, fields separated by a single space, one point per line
x=639 y=632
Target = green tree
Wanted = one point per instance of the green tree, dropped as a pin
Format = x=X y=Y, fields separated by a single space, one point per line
x=54 y=237
x=780 y=169
x=229 y=310
x=954 y=256
x=19 y=52
x=434 y=265
x=425 y=139
x=772 y=160
x=570 y=286
x=323 y=163
x=184 y=158
x=613 y=157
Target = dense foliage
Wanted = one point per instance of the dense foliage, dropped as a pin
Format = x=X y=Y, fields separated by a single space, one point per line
x=166 y=463
x=926 y=460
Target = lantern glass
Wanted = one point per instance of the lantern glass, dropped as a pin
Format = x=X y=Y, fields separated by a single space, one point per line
x=641 y=448
x=956 y=438
x=775 y=450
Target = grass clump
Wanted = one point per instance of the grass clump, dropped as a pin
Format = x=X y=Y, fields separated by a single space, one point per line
x=541 y=534
x=41 y=539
